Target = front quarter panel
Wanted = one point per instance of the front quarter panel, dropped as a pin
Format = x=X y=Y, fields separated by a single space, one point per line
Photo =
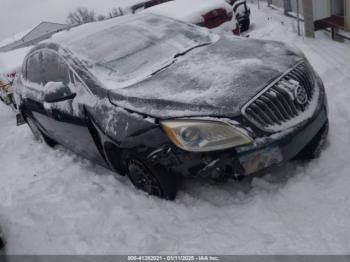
x=126 y=129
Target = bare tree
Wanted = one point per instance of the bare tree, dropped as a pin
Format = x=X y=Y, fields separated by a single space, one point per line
x=115 y=12
x=81 y=16
x=101 y=18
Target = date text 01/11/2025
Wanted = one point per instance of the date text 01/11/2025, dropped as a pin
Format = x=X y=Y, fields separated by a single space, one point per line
x=173 y=258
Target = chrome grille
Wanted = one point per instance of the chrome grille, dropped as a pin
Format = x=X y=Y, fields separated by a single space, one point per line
x=278 y=106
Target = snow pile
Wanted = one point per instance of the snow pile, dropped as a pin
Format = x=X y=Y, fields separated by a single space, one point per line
x=190 y=11
x=54 y=202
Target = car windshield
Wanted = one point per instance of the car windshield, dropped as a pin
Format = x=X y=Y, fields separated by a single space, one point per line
x=139 y=47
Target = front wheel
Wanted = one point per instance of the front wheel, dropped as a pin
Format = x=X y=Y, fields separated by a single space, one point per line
x=154 y=179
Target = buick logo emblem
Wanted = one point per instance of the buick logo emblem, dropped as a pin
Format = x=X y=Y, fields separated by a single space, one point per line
x=300 y=95
x=296 y=90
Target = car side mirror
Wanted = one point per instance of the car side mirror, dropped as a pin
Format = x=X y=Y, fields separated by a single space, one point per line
x=56 y=92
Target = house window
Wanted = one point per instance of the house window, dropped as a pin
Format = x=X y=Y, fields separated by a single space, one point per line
x=337 y=7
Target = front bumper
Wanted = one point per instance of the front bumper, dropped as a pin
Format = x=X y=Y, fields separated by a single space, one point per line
x=264 y=152
x=282 y=149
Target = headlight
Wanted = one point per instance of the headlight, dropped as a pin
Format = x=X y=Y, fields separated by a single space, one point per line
x=203 y=136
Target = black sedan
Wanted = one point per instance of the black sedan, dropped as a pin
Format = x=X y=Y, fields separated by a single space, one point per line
x=154 y=98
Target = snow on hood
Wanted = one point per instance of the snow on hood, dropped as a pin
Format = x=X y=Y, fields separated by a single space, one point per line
x=190 y=11
x=11 y=62
x=157 y=66
x=215 y=80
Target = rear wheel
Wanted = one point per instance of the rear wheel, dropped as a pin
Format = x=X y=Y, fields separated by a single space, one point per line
x=38 y=135
x=154 y=179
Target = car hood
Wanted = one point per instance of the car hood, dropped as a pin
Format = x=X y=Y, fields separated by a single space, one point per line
x=216 y=80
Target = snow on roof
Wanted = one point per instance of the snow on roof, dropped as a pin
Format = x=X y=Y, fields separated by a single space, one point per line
x=11 y=62
x=15 y=37
x=20 y=36
x=190 y=11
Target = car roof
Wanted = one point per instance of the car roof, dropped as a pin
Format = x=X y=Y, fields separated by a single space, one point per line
x=190 y=11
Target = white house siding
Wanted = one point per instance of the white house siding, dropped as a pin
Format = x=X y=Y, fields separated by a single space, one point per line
x=319 y=9
x=294 y=6
x=279 y=3
x=322 y=9
x=337 y=6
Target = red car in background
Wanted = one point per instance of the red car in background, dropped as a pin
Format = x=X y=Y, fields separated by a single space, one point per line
x=212 y=14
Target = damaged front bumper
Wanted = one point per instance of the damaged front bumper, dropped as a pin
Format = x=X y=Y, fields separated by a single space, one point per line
x=242 y=161
x=284 y=148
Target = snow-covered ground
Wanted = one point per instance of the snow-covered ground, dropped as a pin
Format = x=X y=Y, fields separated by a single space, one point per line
x=54 y=202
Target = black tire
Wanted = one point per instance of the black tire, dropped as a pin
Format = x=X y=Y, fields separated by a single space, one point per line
x=38 y=135
x=153 y=179
x=313 y=149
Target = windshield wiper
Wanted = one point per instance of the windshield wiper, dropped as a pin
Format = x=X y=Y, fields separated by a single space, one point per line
x=178 y=55
x=111 y=69
x=189 y=50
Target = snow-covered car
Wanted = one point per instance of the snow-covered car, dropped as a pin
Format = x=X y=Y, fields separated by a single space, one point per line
x=10 y=66
x=212 y=14
x=6 y=90
x=170 y=99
